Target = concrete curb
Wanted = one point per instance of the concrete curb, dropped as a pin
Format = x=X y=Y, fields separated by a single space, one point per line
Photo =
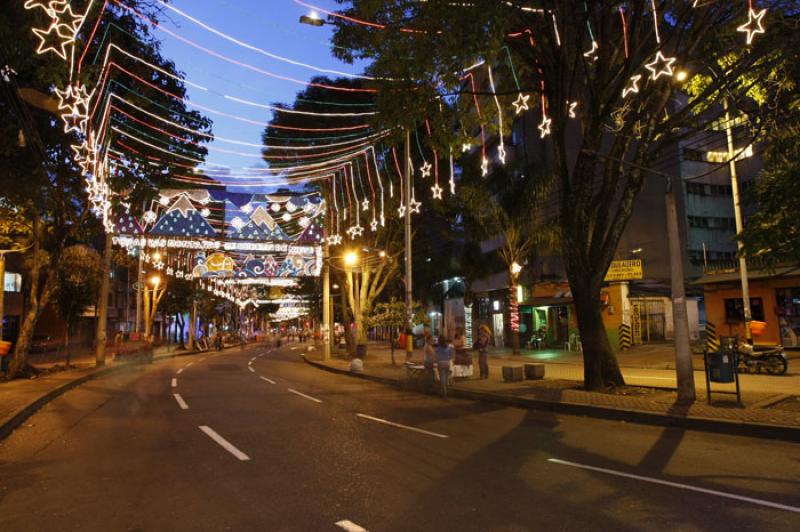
x=20 y=417
x=736 y=428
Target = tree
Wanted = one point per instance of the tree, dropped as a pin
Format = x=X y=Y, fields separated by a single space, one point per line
x=508 y=209
x=604 y=62
x=392 y=314
x=772 y=234
x=154 y=291
x=76 y=288
x=39 y=177
x=178 y=301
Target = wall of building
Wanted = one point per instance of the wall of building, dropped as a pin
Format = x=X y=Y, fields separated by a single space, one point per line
x=716 y=294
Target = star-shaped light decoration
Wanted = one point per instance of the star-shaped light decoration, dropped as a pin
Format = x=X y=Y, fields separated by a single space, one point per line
x=592 y=54
x=633 y=86
x=334 y=240
x=414 y=206
x=426 y=169
x=401 y=210
x=67 y=19
x=466 y=147
x=365 y=205
x=355 y=232
x=572 y=107
x=521 y=103
x=373 y=225
x=73 y=102
x=754 y=24
x=484 y=167
x=544 y=127
x=660 y=66
x=437 y=191
x=53 y=40
x=501 y=153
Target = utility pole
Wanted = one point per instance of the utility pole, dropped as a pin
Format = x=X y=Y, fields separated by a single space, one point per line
x=737 y=211
x=683 y=355
x=102 y=316
x=326 y=300
x=2 y=290
x=409 y=278
x=139 y=287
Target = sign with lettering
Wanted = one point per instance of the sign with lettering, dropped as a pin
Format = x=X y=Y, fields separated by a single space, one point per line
x=625 y=270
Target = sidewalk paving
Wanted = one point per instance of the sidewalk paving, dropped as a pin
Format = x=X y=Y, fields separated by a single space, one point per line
x=764 y=397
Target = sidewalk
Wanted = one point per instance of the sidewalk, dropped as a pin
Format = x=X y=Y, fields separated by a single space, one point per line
x=771 y=405
x=643 y=356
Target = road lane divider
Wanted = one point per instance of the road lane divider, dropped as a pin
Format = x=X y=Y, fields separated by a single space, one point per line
x=225 y=444
x=174 y=382
x=251 y=369
x=678 y=485
x=350 y=526
x=181 y=402
x=268 y=380
x=305 y=396
x=179 y=371
x=401 y=426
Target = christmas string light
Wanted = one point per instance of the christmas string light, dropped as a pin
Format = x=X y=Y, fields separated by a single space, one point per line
x=257 y=49
x=501 y=149
x=240 y=64
x=484 y=160
x=754 y=24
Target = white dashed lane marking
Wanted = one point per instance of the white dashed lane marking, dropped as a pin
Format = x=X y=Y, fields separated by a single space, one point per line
x=760 y=502
x=174 y=383
x=181 y=402
x=268 y=380
x=225 y=444
x=350 y=526
x=305 y=396
x=398 y=425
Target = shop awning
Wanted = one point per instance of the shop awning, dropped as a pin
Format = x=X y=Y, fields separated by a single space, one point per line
x=733 y=275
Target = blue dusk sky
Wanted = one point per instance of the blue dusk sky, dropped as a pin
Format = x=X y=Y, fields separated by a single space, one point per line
x=271 y=25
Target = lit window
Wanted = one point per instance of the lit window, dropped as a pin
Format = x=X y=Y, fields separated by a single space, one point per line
x=722 y=156
x=12 y=282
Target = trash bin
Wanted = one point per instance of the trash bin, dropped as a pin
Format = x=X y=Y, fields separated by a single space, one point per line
x=722 y=366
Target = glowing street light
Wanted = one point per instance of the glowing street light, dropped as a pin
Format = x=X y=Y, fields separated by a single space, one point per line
x=155 y=281
x=516 y=268
x=351 y=258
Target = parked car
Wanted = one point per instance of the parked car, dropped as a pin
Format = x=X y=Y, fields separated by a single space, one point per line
x=43 y=344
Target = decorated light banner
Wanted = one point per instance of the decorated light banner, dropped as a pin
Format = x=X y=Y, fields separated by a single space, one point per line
x=244 y=237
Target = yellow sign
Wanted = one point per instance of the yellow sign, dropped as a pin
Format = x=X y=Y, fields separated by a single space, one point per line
x=625 y=270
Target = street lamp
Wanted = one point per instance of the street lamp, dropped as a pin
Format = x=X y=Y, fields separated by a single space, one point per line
x=312 y=19
x=351 y=258
x=155 y=281
x=516 y=268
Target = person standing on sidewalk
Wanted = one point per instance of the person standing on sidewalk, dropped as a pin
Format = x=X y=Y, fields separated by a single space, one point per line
x=444 y=355
x=482 y=345
x=429 y=361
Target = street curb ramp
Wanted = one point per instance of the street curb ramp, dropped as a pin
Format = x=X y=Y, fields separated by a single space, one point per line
x=736 y=428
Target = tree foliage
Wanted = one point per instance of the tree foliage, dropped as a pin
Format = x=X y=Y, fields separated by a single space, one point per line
x=569 y=52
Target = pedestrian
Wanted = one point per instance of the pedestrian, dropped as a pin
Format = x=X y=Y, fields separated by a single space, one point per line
x=482 y=345
x=429 y=361
x=444 y=355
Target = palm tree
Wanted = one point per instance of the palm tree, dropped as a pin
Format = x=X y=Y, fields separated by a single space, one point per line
x=509 y=208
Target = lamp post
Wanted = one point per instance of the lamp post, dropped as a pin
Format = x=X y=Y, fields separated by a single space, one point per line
x=682 y=76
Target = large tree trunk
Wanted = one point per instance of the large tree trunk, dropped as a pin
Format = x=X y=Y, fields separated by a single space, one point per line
x=600 y=368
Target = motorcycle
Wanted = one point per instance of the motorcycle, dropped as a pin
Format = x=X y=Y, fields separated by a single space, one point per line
x=771 y=360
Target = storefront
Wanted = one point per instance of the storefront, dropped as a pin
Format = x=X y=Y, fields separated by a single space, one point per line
x=774 y=300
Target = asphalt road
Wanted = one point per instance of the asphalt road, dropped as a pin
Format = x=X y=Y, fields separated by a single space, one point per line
x=258 y=440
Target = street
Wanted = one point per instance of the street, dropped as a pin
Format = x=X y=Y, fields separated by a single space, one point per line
x=258 y=440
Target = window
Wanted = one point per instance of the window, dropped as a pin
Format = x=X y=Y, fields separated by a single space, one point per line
x=734 y=311
x=788 y=302
x=12 y=282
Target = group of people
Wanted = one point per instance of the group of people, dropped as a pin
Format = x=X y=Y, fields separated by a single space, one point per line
x=446 y=352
